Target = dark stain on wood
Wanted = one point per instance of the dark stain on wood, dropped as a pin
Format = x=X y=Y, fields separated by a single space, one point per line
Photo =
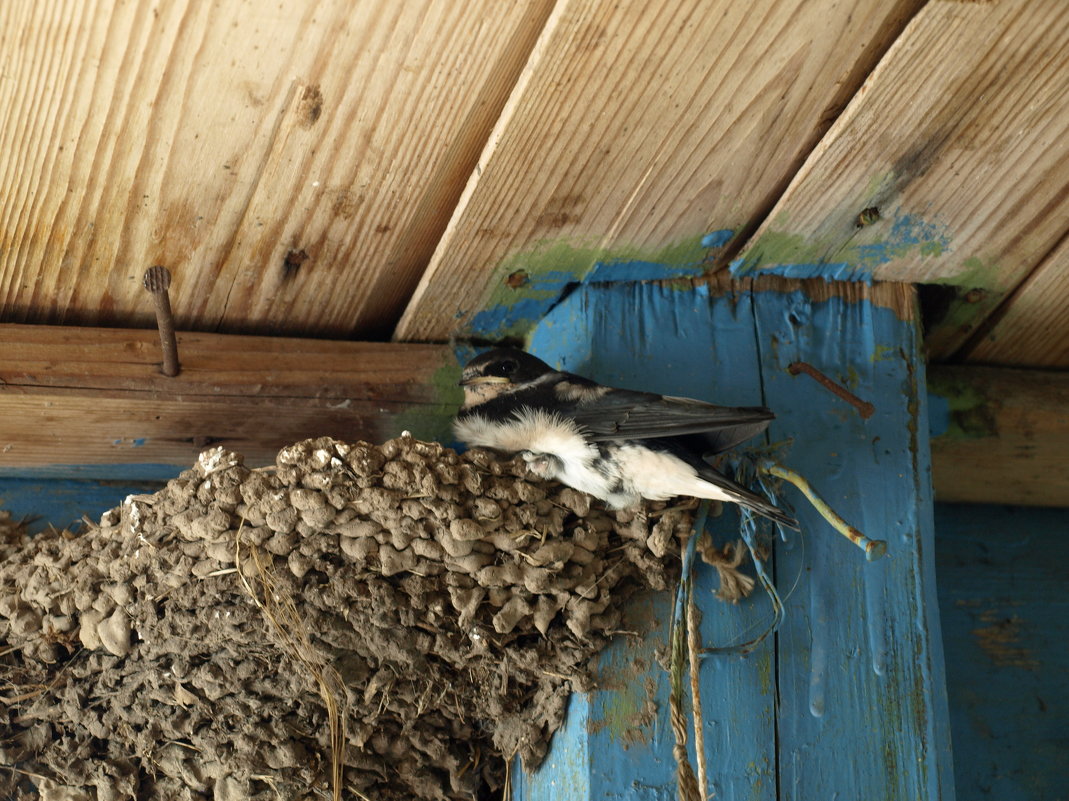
x=1000 y=638
x=311 y=105
x=560 y=211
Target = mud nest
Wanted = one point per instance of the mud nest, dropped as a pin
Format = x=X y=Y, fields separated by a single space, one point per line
x=396 y=621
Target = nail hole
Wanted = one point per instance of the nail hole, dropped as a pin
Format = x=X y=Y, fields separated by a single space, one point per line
x=292 y=263
x=868 y=216
x=517 y=279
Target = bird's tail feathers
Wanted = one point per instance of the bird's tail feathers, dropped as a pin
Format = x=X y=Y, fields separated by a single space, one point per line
x=756 y=503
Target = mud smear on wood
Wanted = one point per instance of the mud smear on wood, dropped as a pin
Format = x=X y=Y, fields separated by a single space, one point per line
x=418 y=615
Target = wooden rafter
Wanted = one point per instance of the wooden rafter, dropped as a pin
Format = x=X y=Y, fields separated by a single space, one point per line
x=950 y=166
x=616 y=146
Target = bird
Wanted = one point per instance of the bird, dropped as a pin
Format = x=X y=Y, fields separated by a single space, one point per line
x=619 y=445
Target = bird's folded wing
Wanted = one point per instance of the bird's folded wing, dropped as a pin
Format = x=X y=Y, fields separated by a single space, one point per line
x=622 y=414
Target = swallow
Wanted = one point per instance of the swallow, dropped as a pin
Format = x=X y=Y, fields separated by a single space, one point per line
x=616 y=444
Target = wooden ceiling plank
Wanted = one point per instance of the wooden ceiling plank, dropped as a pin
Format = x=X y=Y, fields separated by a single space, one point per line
x=1032 y=329
x=217 y=139
x=951 y=165
x=615 y=147
x=999 y=435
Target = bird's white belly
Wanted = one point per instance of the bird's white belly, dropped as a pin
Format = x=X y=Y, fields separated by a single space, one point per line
x=540 y=433
x=658 y=476
x=554 y=448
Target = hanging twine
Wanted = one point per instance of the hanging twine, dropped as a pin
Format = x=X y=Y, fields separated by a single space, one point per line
x=734 y=584
x=694 y=646
x=687 y=783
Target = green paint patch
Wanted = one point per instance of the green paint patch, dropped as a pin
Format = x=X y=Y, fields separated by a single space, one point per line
x=883 y=353
x=976 y=271
x=628 y=713
x=764 y=672
x=971 y=414
x=932 y=249
x=526 y=285
x=844 y=253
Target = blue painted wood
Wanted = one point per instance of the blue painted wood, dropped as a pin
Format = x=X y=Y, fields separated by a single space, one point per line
x=687 y=343
x=62 y=502
x=118 y=471
x=861 y=646
x=860 y=668
x=1003 y=574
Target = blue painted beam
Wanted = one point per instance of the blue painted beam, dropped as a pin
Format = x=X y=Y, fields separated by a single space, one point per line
x=1003 y=574
x=62 y=503
x=849 y=700
x=862 y=692
x=691 y=344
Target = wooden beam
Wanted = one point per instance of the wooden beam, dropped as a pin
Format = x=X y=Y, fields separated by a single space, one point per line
x=848 y=700
x=293 y=164
x=999 y=435
x=635 y=130
x=947 y=167
x=87 y=397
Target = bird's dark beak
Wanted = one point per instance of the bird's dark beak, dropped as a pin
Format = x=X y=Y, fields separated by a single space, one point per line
x=483 y=379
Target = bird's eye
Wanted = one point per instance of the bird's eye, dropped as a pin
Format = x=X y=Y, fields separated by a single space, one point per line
x=508 y=367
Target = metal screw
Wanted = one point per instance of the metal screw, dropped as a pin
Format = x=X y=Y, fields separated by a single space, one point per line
x=157 y=280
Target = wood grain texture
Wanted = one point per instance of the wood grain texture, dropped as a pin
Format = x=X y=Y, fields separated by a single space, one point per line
x=959 y=140
x=1000 y=436
x=637 y=128
x=1032 y=327
x=78 y=397
x=218 y=139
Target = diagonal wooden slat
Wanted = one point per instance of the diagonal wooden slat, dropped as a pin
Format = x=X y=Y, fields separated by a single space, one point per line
x=635 y=129
x=293 y=164
x=951 y=165
x=1032 y=328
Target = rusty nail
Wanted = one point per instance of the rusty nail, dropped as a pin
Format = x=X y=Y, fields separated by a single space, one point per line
x=157 y=280
x=864 y=408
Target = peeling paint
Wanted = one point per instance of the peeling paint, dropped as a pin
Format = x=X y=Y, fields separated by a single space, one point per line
x=552 y=267
x=840 y=256
x=871 y=641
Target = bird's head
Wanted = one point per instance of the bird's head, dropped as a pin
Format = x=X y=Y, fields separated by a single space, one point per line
x=499 y=371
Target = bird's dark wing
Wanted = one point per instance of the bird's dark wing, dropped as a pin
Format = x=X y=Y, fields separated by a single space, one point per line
x=623 y=414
